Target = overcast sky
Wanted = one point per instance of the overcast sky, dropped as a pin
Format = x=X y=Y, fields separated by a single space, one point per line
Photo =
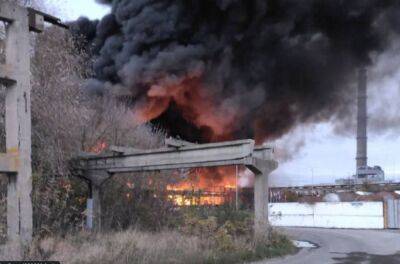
x=88 y=8
x=325 y=156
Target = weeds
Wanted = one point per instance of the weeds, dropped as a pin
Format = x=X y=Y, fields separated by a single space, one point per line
x=134 y=246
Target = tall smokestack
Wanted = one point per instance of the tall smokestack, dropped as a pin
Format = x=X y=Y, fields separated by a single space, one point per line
x=362 y=119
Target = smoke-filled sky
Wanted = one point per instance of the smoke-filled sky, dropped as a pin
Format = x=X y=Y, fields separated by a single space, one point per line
x=237 y=57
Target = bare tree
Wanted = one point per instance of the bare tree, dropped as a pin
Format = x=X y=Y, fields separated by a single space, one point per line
x=66 y=120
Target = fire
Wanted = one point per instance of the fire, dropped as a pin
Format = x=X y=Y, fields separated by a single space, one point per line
x=211 y=186
x=183 y=200
x=196 y=104
x=216 y=121
x=99 y=147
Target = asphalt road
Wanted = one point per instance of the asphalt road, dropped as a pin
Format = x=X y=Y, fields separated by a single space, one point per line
x=341 y=246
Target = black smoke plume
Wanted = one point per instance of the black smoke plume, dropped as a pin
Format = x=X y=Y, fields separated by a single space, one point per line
x=264 y=65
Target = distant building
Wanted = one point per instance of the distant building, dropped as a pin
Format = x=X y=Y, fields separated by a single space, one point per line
x=370 y=174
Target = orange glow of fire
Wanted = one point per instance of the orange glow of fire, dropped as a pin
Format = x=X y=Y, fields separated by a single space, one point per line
x=195 y=103
x=204 y=187
x=216 y=120
x=130 y=185
x=99 y=147
x=183 y=200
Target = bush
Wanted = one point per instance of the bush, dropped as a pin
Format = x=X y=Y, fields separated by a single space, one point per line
x=138 y=200
x=235 y=222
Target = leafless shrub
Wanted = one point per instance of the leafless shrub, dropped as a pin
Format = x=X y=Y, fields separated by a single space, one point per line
x=139 y=200
x=65 y=122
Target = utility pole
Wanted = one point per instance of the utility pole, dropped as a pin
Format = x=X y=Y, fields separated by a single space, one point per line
x=15 y=76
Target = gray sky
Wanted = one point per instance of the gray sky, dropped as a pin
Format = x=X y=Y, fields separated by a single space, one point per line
x=325 y=155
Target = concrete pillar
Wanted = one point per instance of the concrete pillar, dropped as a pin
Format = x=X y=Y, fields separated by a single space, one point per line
x=18 y=126
x=260 y=205
x=89 y=208
x=93 y=208
x=261 y=170
x=96 y=198
x=93 y=204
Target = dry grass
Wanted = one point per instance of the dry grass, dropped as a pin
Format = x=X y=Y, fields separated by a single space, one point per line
x=121 y=247
x=139 y=247
x=11 y=252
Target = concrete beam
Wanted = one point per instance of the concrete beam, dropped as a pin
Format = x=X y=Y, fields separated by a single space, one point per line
x=40 y=16
x=36 y=22
x=263 y=152
x=177 y=143
x=7 y=75
x=98 y=169
x=7 y=11
x=9 y=163
x=124 y=150
x=205 y=155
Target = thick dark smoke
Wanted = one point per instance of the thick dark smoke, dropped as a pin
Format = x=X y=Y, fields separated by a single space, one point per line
x=265 y=66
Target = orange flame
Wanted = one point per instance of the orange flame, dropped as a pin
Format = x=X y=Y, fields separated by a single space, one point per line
x=209 y=186
x=215 y=120
x=99 y=147
x=195 y=103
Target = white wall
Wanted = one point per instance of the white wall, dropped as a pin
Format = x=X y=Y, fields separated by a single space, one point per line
x=328 y=215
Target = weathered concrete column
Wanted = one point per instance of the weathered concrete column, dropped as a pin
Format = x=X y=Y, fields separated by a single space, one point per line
x=93 y=208
x=93 y=204
x=260 y=205
x=261 y=170
x=18 y=124
x=96 y=198
x=89 y=212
